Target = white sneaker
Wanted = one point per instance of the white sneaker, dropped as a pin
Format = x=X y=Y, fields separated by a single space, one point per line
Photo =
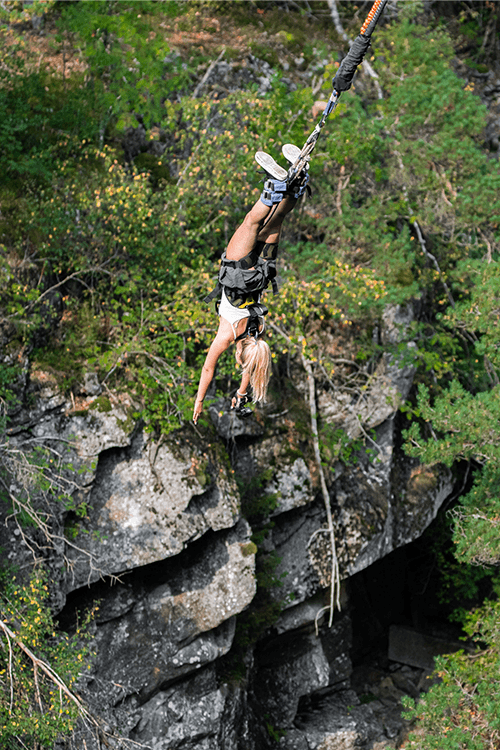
x=267 y=162
x=290 y=152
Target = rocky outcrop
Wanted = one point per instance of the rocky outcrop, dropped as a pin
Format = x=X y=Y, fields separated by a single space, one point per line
x=222 y=77
x=155 y=532
x=148 y=501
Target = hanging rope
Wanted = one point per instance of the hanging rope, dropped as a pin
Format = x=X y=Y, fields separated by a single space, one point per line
x=341 y=82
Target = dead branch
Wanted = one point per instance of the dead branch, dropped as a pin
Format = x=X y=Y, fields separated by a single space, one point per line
x=47 y=670
x=488 y=255
x=60 y=283
x=335 y=576
x=212 y=65
x=51 y=537
x=342 y=184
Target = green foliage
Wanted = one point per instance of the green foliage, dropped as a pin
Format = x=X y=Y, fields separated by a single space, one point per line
x=336 y=445
x=477 y=520
x=472 y=22
x=465 y=415
x=458 y=585
x=274 y=733
x=422 y=135
x=124 y=45
x=462 y=711
x=139 y=253
x=8 y=377
x=256 y=504
x=42 y=118
x=34 y=709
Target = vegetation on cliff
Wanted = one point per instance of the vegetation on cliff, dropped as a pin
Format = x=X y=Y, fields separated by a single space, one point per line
x=119 y=189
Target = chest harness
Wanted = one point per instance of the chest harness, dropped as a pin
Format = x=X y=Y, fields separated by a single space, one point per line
x=256 y=318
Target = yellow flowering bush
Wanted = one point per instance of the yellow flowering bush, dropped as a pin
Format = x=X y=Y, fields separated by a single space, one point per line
x=39 y=667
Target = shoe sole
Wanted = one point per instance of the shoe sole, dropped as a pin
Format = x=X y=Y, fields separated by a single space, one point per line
x=267 y=162
x=290 y=152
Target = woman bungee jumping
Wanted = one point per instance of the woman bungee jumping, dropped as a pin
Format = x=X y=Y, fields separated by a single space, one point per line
x=249 y=263
x=247 y=267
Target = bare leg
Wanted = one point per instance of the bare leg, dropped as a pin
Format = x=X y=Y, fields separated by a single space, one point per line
x=254 y=228
x=272 y=230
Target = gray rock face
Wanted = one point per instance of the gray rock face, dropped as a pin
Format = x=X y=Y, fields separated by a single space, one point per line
x=224 y=77
x=292 y=485
x=340 y=723
x=144 y=500
x=387 y=389
x=296 y=662
x=393 y=512
x=164 y=547
x=190 y=716
x=286 y=671
x=176 y=627
x=147 y=506
x=378 y=505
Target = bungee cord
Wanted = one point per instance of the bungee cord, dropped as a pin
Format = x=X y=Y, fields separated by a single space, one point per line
x=341 y=82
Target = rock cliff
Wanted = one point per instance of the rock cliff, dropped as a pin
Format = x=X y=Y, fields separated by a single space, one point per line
x=161 y=541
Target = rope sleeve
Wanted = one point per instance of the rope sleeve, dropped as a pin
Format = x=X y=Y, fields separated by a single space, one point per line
x=354 y=57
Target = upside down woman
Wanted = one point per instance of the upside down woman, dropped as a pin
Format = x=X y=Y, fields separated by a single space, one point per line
x=247 y=267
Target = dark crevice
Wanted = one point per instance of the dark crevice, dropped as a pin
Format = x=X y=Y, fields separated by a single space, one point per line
x=199 y=504
x=190 y=570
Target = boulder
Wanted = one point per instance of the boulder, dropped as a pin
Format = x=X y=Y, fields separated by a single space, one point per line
x=229 y=426
x=339 y=722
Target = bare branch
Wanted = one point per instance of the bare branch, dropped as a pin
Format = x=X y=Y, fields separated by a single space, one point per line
x=46 y=669
x=212 y=65
x=335 y=576
x=60 y=283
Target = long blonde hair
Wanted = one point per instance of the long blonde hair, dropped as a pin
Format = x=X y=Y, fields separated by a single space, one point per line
x=256 y=361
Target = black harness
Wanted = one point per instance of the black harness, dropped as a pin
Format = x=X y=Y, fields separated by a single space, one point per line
x=243 y=280
x=257 y=312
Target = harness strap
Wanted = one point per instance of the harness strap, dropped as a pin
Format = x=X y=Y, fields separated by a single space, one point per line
x=267 y=250
x=257 y=311
x=216 y=292
x=247 y=262
x=239 y=297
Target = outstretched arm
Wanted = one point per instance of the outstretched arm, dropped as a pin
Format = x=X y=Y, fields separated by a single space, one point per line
x=221 y=342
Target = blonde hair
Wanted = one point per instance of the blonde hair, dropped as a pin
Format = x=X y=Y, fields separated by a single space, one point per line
x=256 y=361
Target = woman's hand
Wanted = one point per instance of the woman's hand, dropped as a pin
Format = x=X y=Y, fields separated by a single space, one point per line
x=198 y=408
